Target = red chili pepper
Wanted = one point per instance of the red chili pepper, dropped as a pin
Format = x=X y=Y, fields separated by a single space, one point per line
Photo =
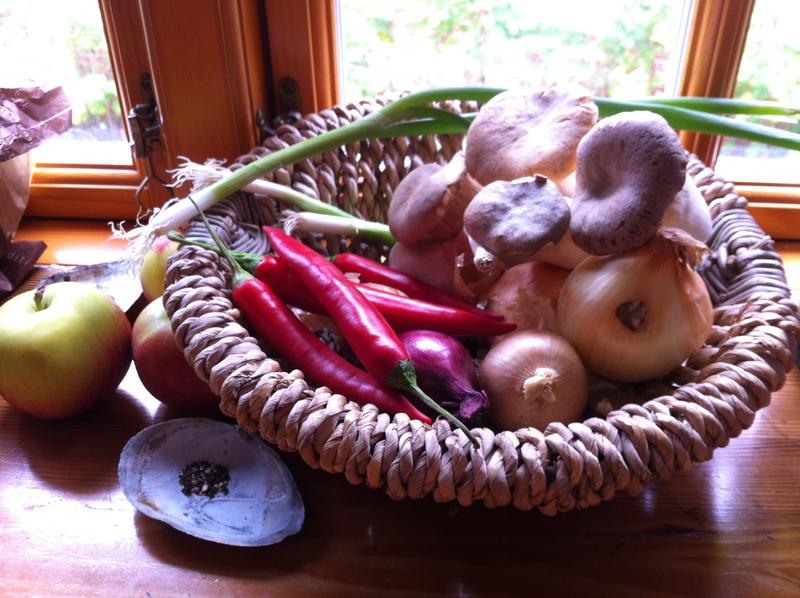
x=371 y=271
x=402 y=313
x=275 y=322
x=368 y=333
x=277 y=325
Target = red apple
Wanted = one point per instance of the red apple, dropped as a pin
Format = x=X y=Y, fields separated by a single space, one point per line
x=162 y=368
x=62 y=352
x=154 y=267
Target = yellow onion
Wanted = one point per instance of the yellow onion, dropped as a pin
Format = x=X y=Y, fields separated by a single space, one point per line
x=526 y=295
x=533 y=378
x=637 y=315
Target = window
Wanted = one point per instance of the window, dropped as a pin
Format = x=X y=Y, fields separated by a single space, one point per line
x=628 y=48
x=771 y=42
x=632 y=52
x=215 y=64
x=205 y=63
x=68 y=49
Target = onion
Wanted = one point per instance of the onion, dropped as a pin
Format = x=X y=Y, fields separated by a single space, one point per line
x=527 y=295
x=637 y=315
x=533 y=378
x=446 y=372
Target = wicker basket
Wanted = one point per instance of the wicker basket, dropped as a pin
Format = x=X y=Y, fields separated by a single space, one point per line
x=566 y=466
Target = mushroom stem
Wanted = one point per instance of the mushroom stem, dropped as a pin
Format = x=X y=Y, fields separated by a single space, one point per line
x=484 y=260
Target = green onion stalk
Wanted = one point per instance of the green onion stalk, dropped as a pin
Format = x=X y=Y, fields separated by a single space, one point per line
x=413 y=115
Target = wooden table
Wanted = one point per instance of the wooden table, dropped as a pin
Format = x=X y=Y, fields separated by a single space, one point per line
x=729 y=527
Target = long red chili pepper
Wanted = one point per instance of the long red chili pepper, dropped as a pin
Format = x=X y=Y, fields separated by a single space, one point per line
x=370 y=337
x=276 y=324
x=371 y=271
x=402 y=313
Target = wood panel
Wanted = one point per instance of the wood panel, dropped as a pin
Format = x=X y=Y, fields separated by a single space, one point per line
x=72 y=242
x=196 y=58
x=302 y=41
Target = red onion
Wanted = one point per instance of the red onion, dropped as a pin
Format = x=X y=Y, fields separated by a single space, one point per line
x=447 y=373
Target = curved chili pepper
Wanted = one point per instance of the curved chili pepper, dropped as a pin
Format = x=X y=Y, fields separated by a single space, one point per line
x=368 y=333
x=402 y=313
x=371 y=271
x=277 y=325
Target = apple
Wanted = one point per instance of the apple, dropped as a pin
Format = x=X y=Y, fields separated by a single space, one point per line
x=63 y=350
x=154 y=267
x=161 y=366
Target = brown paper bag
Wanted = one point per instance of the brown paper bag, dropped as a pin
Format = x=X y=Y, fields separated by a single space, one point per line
x=15 y=184
x=29 y=115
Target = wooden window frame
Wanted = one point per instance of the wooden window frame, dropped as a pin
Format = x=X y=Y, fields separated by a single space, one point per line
x=205 y=64
x=715 y=47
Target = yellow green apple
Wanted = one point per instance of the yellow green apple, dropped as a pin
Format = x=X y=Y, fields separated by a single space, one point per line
x=154 y=267
x=63 y=350
x=161 y=366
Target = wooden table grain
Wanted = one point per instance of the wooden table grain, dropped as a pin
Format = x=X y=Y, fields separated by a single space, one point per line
x=728 y=527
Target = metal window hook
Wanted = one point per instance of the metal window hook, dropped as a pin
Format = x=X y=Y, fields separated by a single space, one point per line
x=145 y=126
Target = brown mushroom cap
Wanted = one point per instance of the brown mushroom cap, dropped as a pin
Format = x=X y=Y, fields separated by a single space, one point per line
x=527 y=131
x=430 y=201
x=514 y=219
x=630 y=167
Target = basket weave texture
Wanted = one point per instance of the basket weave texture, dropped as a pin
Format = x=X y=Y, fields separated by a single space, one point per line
x=708 y=401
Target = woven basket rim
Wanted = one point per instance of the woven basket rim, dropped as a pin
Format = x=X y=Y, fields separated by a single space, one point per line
x=565 y=466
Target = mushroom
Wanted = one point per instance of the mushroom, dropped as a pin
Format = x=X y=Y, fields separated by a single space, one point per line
x=689 y=211
x=431 y=260
x=527 y=131
x=630 y=167
x=430 y=201
x=513 y=220
x=567 y=185
x=563 y=253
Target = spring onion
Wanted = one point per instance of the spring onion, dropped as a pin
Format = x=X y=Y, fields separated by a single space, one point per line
x=413 y=115
x=325 y=223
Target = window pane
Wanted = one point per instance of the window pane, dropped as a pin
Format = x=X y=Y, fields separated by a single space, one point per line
x=63 y=43
x=622 y=49
x=770 y=70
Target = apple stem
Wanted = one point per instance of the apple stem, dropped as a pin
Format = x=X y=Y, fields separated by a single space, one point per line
x=38 y=297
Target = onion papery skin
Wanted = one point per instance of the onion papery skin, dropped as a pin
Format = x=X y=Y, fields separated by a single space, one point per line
x=679 y=312
x=527 y=295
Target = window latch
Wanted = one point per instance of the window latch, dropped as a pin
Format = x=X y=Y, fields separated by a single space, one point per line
x=288 y=110
x=144 y=121
x=145 y=126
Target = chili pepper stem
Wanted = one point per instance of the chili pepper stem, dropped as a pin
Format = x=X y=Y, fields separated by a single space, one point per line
x=248 y=261
x=404 y=379
x=239 y=273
